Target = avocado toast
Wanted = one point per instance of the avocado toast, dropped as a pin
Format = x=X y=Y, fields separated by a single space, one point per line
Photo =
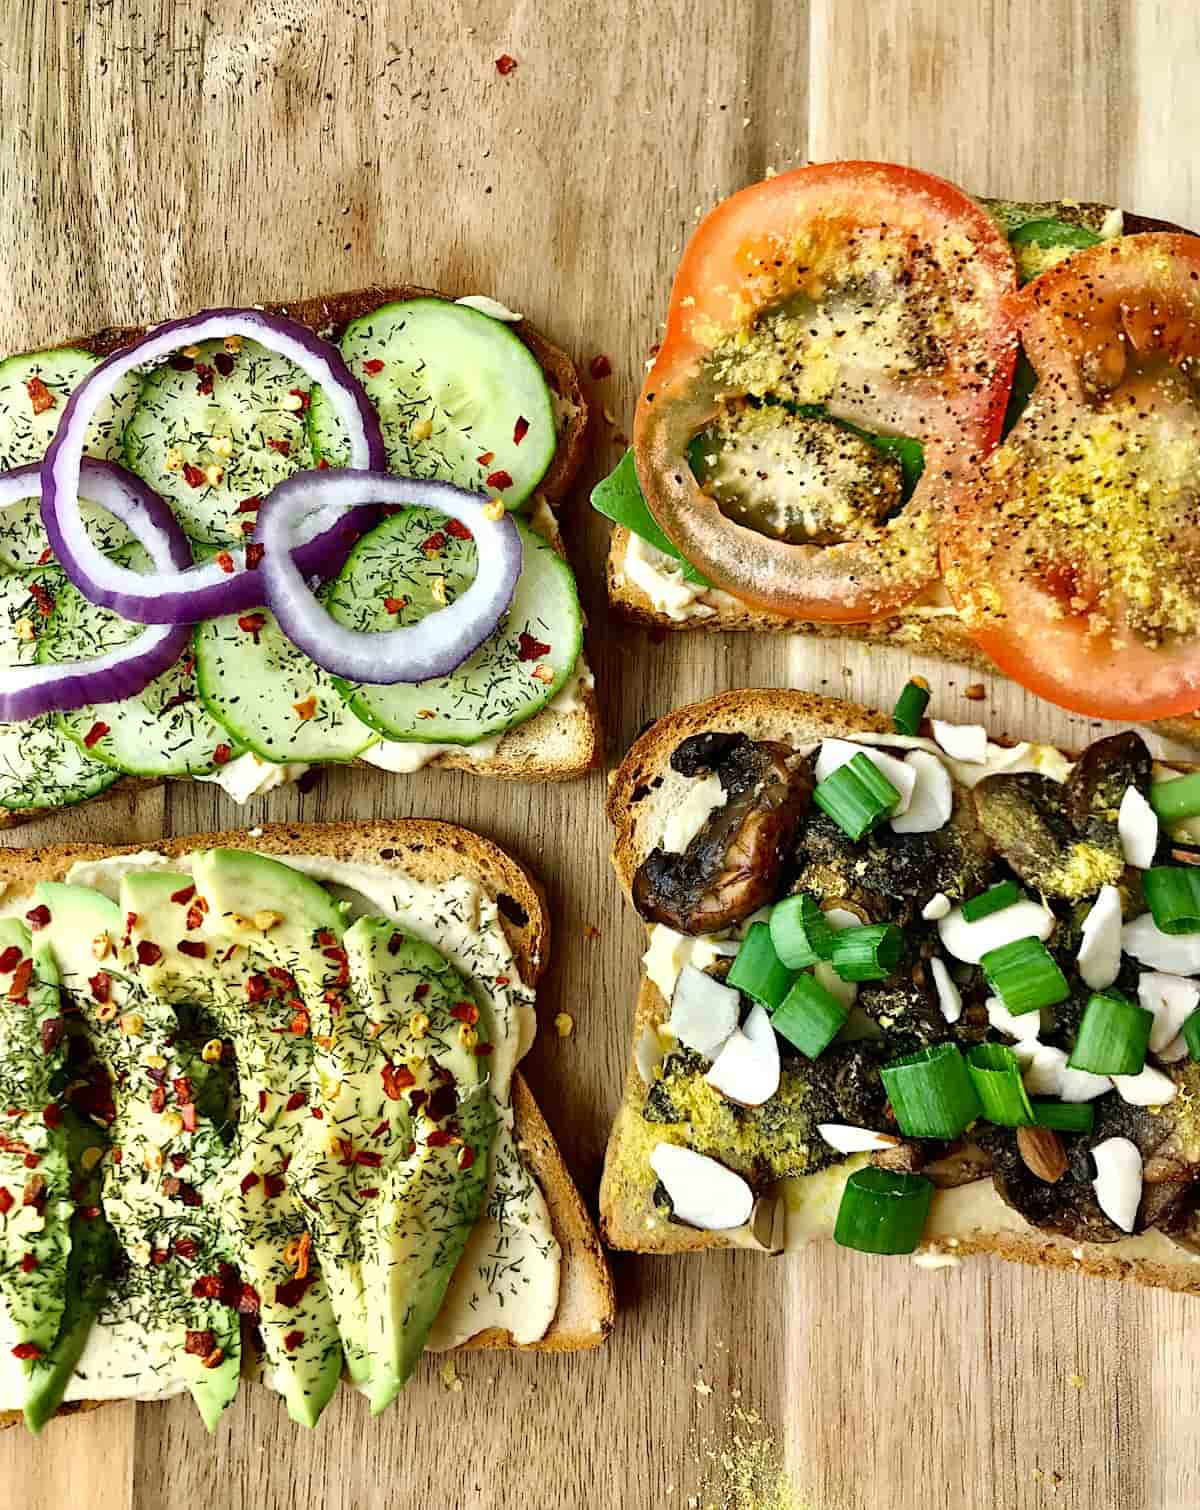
x=461 y=391
x=718 y=827
x=285 y=1121
x=813 y=498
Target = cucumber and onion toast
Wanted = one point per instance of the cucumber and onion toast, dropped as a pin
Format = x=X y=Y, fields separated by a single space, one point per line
x=909 y=989
x=264 y=1120
x=215 y=434
x=886 y=410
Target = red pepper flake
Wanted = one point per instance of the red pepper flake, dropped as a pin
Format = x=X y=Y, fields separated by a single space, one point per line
x=435 y=544
x=379 y=1131
x=95 y=734
x=186 y=1247
x=529 y=649
x=31 y=1161
x=372 y=366
x=465 y=1011
x=439 y=1138
x=247 y=526
x=52 y=1115
x=499 y=481
x=6 y=1200
x=188 y=1116
x=505 y=64
x=183 y=896
x=22 y=975
x=207 y=1287
x=318 y=1114
x=600 y=367
x=458 y=529
x=38 y=917
x=182 y=1086
x=284 y=977
x=421 y=990
x=482 y=1050
x=205 y=373
x=34 y=1193
x=223 y=362
x=306 y=709
x=262 y=1102
x=252 y=623
x=273 y=1185
x=254 y=555
x=486 y=458
x=326 y=939
x=302 y=396
x=148 y=953
x=296 y=1100
x=29 y=1262
x=257 y=988
x=192 y=475
x=222 y=755
x=89 y=1213
x=368 y=1192
x=225 y=561
x=397 y=1078
x=395 y=943
x=520 y=429
x=368 y=1158
x=193 y=948
x=178 y=1160
x=200 y=1344
x=195 y=913
x=40 y=397
x=26 y=1351
x=43 y=598
x=249 y=1181
x=395 y=605
x=10 y=959
x=158 y=1099
x=181 y=363
x=52 y=1030
x=466 y=1156
x=299 y=1024
x=292 y=1341
x=46 y=556
x=292 y=1291
x=284 y=447
x=248 y=1302
x=250 y=505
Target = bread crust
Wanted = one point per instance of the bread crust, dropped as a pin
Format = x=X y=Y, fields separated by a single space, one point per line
x=433 y=852
x=637 y=814
x=551 y=746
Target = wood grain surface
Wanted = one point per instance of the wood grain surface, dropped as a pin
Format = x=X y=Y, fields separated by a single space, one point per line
x=157 y=157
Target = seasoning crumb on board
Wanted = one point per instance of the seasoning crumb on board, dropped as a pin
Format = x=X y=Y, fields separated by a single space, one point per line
x=450 y=1378
x=564 y=1024
x=745 y=1471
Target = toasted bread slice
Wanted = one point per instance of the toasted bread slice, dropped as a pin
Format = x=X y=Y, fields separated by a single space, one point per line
x=969 y=1219
x=928 y=626
x=554 y=745
x=431 y=852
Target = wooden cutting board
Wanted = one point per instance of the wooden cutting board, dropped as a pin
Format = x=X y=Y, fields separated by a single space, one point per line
x=156 y=158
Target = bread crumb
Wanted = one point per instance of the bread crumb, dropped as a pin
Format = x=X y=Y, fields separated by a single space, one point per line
x=976 y=692
x=564 y=1025
x=1077 y=1381
x=591 y=933
x=450 y=1379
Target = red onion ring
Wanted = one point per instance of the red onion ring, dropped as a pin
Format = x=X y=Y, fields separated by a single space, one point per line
x=186 y=595
x=58 y=687
x=417 y=652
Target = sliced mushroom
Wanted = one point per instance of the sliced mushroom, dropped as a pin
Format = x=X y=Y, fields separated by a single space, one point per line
x=732 y=866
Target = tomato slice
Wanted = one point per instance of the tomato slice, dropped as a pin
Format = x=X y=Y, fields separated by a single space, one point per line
x=874 y=291
x=1075 y=560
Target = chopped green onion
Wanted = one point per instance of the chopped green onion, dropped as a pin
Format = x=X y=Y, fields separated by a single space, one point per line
x=800 y=931
x=1177 y=799
x=809 y=1016
x=882 y=1211
x=870 y=953
x=1173 y=896
x=1025 y=976
x=910 y=707
x=757 y=969
x=856 y=796
x=932 y=1093
x=1063 y=1116
x=994 y=899
x=997 y=1078
x=1191 y=1034
x=1051 y=233
x=1113 y=1036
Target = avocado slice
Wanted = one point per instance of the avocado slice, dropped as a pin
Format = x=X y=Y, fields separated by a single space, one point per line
x=408 y=1054
x=137 y=1040
x=224 y=968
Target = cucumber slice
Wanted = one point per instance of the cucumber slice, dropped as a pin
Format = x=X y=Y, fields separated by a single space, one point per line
x=24 y=544
x=34 y=388
x=512 y=675
x=166 y=730
x=217 y=429
x=257 y=683
x=453 y=389
x=39 y=766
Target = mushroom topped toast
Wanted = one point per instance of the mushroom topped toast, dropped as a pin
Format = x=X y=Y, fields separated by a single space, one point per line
x=909 y=988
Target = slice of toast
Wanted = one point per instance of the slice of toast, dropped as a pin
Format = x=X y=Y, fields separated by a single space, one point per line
x=968 y=1219
x=928 y=626
x=430 y=852
x=556 y=744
